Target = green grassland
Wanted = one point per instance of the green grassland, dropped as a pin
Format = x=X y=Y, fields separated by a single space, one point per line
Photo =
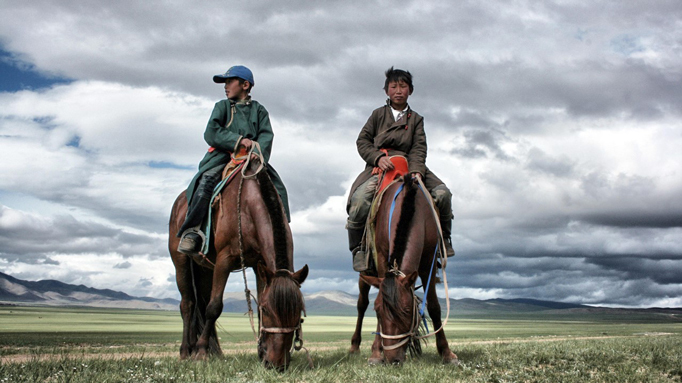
x=47 y=344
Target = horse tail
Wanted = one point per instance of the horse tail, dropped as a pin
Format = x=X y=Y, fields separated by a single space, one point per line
x=198 y=321
x=274 y=207
x=407 y=209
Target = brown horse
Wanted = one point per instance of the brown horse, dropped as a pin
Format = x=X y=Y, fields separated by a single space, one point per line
x=409 y=252
x=260 y=235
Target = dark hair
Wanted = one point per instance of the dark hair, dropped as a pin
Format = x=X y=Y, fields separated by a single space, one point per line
x=242 y=81
x=398 y=75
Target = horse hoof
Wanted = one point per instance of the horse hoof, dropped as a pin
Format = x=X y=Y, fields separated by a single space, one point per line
x=200 y=355
x=354 y=350
x=375 y=361
x=452 y=361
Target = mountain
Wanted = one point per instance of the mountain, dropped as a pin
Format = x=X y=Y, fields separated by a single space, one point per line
x=54 y=293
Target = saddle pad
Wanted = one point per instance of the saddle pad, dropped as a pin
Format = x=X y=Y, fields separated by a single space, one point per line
x=400 y=168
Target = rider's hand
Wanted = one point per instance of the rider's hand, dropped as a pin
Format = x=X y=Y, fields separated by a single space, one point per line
x=416 y=175
x=246 y=143
x=385 y=163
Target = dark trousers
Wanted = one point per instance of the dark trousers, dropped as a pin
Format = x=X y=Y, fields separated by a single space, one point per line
x=198 y=206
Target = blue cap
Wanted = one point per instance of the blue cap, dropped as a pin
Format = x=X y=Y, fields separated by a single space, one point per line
x=238 y=71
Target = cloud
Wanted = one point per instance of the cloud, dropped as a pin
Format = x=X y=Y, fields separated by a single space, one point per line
x=555 y=125
x=123 y=265
x=65 y=234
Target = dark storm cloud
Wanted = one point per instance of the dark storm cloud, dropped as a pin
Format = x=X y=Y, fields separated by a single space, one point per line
x=605 y=280
x=556 y=126
x=542 y=162
x=65 y=234
x=482 y=143
x=660 y=271
x=627 y=218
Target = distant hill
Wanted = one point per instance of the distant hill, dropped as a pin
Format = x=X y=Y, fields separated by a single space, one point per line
x=55 y=293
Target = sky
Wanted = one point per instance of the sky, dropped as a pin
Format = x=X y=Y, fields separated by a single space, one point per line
x=556 y=125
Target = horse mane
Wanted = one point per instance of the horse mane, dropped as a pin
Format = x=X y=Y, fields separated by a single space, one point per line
x=399 y=313
x=274 y=206
x=407 y=210
x=396 y=311
x=286 y=298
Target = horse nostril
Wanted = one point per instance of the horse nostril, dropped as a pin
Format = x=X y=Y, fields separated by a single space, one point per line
x=397 y=362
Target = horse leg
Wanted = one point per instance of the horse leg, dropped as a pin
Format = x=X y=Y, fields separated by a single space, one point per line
x=208 y=341
x=434 y=312
x=363 y=302
x=203 y=284
x=377 y=348
x=183 y=279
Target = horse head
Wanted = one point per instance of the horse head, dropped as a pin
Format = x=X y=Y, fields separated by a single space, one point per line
x=280 y=306
x=397 y=314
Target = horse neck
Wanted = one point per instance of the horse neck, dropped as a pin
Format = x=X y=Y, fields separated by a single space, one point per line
x=405 y=243
x=262 y=218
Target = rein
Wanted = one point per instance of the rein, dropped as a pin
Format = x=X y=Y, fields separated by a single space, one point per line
x=245 y=166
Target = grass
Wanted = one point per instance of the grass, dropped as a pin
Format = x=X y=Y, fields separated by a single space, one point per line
x=40 y=344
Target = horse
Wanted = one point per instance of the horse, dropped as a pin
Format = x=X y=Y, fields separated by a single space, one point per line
x=250 y=230
x=406 y=239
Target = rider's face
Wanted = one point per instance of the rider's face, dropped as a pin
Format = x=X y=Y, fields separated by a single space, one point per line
x=398 y=92
x=236 y=91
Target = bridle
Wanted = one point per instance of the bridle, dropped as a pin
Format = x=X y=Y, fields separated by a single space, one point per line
x=297 y=330
x=411 y=334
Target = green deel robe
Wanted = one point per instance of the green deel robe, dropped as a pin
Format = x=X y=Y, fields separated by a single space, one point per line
x=230 y=122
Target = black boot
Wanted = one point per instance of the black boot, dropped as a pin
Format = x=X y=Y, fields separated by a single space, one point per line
x=446 y=226
x=354 y=244
x=191 y=237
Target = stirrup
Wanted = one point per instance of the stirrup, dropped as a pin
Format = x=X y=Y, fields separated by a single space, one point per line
x=189 y=245
x=359 y=260
x=449 y=251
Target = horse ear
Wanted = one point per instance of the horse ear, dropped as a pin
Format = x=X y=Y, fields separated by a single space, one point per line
x=409 y=280
x=374 y=281
x=263 y=273
x=301 y=275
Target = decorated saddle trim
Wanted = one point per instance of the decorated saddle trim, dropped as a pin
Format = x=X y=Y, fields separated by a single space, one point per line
x=230 y=171
x=400 y=168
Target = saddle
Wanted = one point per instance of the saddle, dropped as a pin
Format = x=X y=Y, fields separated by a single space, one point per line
x=229 y=172
x=400 y=168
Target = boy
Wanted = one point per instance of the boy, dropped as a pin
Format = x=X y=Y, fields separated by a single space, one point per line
x=235 y=121
x=398 y=129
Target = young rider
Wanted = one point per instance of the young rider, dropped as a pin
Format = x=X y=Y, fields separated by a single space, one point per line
x=236 y=121
x=398 y=130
